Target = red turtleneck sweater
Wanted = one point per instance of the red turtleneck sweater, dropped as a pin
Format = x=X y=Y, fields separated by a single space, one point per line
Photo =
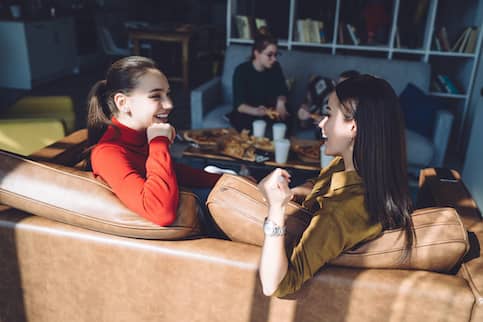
x=142 y=175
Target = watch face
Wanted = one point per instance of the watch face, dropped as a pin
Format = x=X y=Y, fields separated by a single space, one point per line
x=272 y=229
x=268 y=228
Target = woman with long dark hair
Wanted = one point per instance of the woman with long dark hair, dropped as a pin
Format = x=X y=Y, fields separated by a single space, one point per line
x=362 y=192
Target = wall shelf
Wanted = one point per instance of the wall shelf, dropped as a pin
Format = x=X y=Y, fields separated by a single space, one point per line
x=413 y=25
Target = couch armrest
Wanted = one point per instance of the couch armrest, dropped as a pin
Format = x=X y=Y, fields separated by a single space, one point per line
x=442 y=130
x=67 y=151
x=203 y=99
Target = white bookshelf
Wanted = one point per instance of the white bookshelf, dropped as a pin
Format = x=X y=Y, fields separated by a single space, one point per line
x=461 y=66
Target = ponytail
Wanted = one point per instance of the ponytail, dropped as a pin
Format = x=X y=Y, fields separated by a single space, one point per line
x=99 y=113
x=121 y=77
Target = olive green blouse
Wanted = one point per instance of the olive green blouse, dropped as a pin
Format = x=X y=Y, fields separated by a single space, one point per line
x=340 y=221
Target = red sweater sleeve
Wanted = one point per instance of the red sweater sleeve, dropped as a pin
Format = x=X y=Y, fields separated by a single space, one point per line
x=154 y=197
x=195 y=178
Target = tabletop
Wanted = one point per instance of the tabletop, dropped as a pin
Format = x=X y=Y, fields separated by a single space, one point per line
x=213 y=151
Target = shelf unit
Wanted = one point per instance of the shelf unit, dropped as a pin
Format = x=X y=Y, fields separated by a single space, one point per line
x=419 y=32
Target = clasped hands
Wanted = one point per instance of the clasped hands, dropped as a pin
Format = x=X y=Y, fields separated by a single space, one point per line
x=279 y=113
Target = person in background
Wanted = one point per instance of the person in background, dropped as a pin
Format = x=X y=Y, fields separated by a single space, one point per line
x=129 y=128
x=362 y=192
x=312 y=109
x=259 y=87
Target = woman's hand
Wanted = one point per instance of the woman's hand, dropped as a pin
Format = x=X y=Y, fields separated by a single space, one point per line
x=281 y=108
x=282 y=111
x=301 y=192
x=303 y=112
x=161 y=129
x=260 y=111
x=275 y=188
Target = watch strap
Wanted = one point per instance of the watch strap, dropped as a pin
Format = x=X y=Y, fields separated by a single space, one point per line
x=271 y=228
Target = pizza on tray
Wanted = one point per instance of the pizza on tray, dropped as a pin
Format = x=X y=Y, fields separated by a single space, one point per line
x=263 y=144
x=309 y=153
x=238 y=148
x=229 y=142
x=205 y=137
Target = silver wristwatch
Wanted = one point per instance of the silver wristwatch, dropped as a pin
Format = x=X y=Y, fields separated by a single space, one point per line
x=271 y=229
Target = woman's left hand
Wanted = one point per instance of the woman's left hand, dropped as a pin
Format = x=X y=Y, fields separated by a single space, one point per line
x=275 y=188
x=282 y=111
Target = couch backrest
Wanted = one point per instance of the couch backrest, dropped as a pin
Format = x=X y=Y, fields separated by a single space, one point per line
x=300 y=65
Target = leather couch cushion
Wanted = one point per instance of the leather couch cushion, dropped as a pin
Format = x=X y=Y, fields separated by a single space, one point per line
x=441 y=240
x=75 y=197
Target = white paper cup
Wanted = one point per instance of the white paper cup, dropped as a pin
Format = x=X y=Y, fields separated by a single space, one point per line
x=324 y=159
x=278 y=130
x=258 y=127
x=282 y=147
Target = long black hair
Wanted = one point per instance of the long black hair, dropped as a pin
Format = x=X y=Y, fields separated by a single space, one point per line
x=379 y=150
x=121 y=77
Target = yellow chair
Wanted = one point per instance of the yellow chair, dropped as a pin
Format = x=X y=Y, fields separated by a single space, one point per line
x=25 y=136
x=34 y=122
x=56 y=107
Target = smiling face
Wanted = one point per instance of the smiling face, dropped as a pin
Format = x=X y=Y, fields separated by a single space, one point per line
x=339 y=132
x=148 y=103
x=267 y=57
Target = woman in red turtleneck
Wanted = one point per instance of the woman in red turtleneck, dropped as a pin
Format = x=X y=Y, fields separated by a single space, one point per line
x=128 y=122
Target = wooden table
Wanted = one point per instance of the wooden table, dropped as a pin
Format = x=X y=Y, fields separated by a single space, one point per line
x=181 y=37
x=211 y=155
x=293 y=162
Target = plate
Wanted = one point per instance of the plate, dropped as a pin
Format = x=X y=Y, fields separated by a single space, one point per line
x=263 y=144
x=308 y=153
x=205 y=137
x=238 y=148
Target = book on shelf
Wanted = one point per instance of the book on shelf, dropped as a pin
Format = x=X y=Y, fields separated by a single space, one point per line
x=437 y=87
x=464 y=41
x=398 y=39
x=341 y=34
x=447 y=84
x=437 y=44
x=352 y=33
x=260 y=22
x=243 y=27
x=472 y=39
x=309 y=30
x=461 y=39
x=442 y=36
x=248 y=26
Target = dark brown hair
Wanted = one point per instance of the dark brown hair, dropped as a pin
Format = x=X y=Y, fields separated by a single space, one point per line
x=121 y=77
x=261 y=41
x=379 y=150
x=349 y=73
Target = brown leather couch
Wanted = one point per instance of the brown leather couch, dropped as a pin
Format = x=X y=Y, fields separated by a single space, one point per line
x=53 y=271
